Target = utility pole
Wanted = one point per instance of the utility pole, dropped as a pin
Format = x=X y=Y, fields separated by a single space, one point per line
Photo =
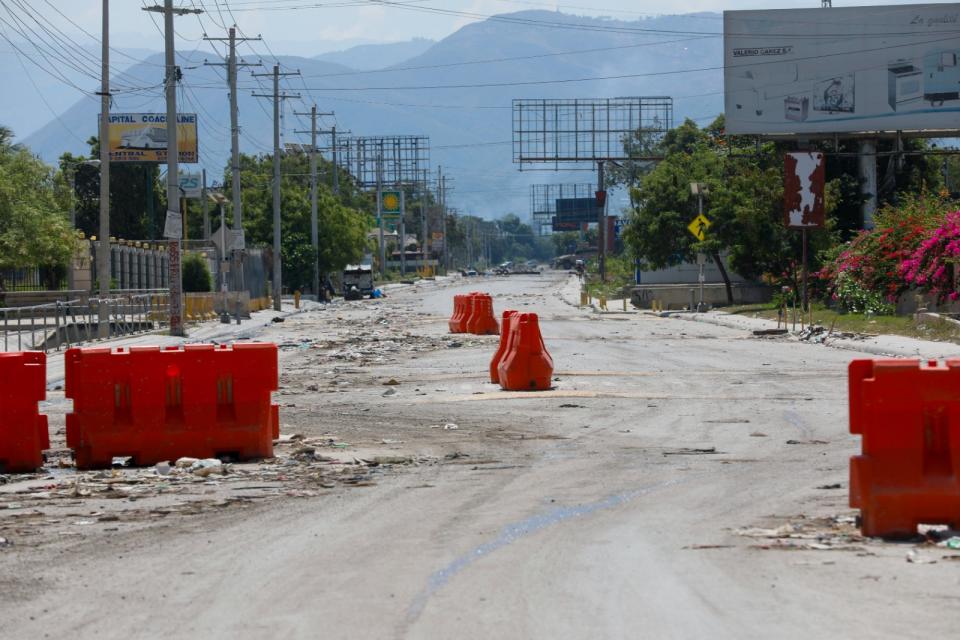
x=314 y=222
x=103 y=249
x=204 y=205
x=442 y=201
x=277 y=96
x=232 y=65
x=421 y=191
x=383 y=245
x=336 y=176
x=602 y=226
x=173 y=228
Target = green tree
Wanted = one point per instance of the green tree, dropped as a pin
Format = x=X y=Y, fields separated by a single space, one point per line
x=342 y=236
x=137 y=196
x=744 y=204
x=196 y=274
x=34 y=228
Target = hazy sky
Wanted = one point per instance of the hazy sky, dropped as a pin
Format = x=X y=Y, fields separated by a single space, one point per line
x=304 y=27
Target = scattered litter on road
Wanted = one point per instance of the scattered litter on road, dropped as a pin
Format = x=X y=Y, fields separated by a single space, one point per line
x=450 y=426
x=770 y=332
x=758 y=434
x=830 y=486
x=807 y=442
x=950 y=543
x=685 y=451
x=914 y=557
x=708 y=546
x=838 y=533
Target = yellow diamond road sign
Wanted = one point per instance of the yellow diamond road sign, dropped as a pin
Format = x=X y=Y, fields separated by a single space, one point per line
x=699 y=227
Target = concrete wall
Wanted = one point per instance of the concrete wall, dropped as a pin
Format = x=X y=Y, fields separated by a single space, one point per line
x=679 y=296
x=687 y=273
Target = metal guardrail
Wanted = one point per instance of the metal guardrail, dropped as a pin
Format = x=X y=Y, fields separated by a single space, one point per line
x=61 y=324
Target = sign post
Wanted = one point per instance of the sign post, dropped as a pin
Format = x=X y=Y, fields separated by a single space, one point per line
x=804 y=178
x=698 y=227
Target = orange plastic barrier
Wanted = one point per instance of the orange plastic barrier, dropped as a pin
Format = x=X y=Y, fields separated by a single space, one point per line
x=508 y=317
x=23 y=429
x=526 y=366
x=456 y=320
x=462 y=315
x=908 y=472
x=156 y=404
x=482 y=322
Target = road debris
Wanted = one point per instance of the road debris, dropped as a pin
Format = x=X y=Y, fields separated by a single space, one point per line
x=685 y=451
x=817 y=534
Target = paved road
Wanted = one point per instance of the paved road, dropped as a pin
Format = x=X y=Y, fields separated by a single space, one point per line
x=613 y=506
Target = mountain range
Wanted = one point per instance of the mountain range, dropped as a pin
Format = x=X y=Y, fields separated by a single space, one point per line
x=529 y=54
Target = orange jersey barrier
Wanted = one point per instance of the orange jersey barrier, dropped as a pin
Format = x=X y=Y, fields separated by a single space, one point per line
x=23 y=429
x=456 y=320
x=526 y=365
x=908 y=472
x=508 y=318
x=482 y=322
x=156 y=404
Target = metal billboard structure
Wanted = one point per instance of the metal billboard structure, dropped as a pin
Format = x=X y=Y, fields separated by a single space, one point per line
x=853 y=73
x=543 y=202
x=376 y=162
x=393 y=160
x=570 y=132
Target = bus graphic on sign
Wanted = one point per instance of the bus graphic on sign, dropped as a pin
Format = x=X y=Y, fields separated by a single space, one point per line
x=145 y=138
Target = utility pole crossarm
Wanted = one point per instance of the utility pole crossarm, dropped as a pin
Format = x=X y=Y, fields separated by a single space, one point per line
x=177 y=11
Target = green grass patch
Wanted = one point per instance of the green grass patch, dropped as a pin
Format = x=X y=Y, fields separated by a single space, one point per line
x=860 y=323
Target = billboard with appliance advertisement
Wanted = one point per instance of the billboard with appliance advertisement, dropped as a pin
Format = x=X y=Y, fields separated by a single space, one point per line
x=842 y=70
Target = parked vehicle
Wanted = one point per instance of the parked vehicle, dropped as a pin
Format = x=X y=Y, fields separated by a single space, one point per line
x=357 y=281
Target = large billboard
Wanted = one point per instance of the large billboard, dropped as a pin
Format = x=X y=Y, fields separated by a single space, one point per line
x=573 y=213
x=142 y=137
x=840 y=70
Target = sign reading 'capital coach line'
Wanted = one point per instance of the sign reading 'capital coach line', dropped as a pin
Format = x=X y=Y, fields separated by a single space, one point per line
x=142 y=137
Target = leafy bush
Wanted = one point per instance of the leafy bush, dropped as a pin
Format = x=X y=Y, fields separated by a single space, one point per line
x=868 y=273
x=196 y=274
x=932 y=266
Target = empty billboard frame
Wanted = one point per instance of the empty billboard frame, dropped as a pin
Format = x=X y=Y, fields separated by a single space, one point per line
x=543 y=202
x=571 y=132
x=398 y=160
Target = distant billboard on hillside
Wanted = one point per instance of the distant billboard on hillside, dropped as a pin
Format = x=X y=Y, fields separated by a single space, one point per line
x=142 y=137
x=841 y=70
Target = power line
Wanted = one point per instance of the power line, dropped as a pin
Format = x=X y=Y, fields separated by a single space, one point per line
x=508 y=59
x=649 y=74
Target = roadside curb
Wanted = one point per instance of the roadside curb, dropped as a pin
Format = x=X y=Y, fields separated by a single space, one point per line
x=881 y=346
